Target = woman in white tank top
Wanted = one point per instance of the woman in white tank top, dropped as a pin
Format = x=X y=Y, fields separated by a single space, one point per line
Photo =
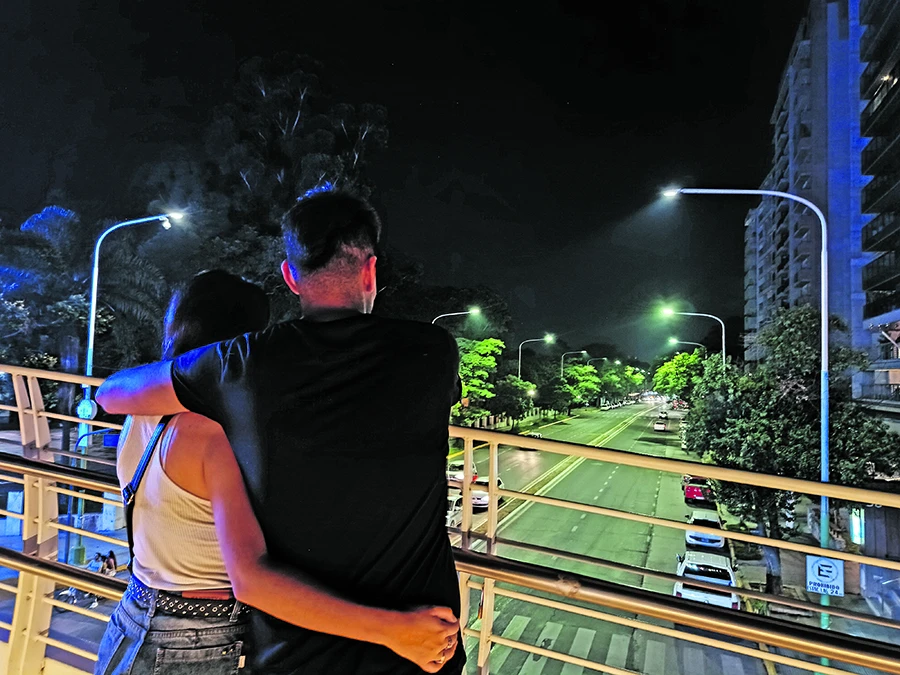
x=194 y=531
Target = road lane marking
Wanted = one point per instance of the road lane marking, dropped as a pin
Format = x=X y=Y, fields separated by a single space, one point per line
x=583 y=516
x=655 y=658
x=574 y=527
x=694 y=662
x=499 y=653
x=581 y=647
x=534 y=666
x=595 y=499
x=565 y=419
x=617 y=656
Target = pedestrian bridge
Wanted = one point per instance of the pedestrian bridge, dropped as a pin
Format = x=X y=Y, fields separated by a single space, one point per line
x=528 y=607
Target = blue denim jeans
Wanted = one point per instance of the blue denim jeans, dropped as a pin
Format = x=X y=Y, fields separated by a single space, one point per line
x=138 y=641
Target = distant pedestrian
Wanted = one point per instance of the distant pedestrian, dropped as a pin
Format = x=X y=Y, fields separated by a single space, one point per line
x=111 y=565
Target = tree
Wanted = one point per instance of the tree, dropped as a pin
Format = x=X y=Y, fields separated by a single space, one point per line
x=477 y=365
x=583 y=383
x=767 y=421
x=512 y=397
x=556 y=395
x=679 y=375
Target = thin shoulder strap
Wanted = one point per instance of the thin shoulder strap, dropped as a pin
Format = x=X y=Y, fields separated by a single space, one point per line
x=130 y=490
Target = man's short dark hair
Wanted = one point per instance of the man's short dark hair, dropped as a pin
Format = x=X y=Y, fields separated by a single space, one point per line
x=329 y=227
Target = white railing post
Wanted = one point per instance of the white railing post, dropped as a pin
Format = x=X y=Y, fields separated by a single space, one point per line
x=23 y=406
x=493 y=497
x=41 y=425
x=468 y=459
x=31 y=616
x=487 y=627
x=464 y=592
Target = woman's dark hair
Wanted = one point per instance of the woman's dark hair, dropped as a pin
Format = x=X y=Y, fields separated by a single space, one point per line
x=213 y=306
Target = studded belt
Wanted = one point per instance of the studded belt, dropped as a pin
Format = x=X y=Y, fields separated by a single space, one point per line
x=177 y=604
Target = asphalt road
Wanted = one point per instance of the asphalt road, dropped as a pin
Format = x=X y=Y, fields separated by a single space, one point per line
x=637 y=490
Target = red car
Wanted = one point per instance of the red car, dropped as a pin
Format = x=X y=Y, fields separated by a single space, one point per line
x=697 y=490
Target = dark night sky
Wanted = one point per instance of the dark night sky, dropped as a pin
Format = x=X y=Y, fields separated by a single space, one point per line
x=527 y=146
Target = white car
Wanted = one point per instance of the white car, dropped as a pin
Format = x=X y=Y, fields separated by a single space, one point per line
x=704 y=518
x=659 y=425
x=534 y=434
x=711 y=568
x=456 y=470
x=480 y=496
x=605 y=406
x=454 y=510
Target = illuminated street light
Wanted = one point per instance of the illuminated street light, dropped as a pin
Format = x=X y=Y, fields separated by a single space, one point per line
x=87 y=408
x=824 y=533
x=617 y=362
x=474 y=311
x=562 y=358
x=668 y=311
x=549 y=338
x=676 y=341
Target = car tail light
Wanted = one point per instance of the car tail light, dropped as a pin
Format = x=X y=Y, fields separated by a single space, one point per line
x=736 y=604
x=474 y=477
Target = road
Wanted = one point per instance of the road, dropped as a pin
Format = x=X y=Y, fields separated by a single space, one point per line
x=637 y=490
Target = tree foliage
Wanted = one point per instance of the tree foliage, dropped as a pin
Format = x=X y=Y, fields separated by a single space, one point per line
x=512 y=397
x=679 y=375
x=767 y=420
x=477 y=365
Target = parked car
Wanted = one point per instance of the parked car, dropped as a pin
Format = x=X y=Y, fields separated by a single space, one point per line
x=454 y=509
x=534 y=434
x=456 y=470
x=697 y=491
x=480 y=496
x=704 y=518
x=605 y=406
x=711 y=568
x=659 y=425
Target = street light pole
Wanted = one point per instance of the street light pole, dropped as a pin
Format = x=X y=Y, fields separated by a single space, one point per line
x=83 y=431
x=673 y=341
x=824 y=532
x=708 y=316
x=562 y=358
x=547 y=338
x=474 y=311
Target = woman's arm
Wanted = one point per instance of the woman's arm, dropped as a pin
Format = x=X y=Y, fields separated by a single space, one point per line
x=426 y=636
x=145 y=390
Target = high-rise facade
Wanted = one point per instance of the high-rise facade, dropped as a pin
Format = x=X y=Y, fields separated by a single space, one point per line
x=816 y=154
x=880 y=239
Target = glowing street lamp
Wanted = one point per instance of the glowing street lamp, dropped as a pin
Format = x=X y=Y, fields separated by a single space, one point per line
x=474 y=311
x=549 y=339
x=676 y=341
x=668 y=311
x=562 y=358
x=824 y=533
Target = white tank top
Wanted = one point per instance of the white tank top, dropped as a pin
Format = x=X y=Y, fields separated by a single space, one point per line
x=175 y=543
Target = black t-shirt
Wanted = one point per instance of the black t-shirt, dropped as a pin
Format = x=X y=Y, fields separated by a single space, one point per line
x=340 y=431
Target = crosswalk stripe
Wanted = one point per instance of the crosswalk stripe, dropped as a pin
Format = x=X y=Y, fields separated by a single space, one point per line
x=655 y=658
x=534 y=666
x=732 y=665
x=581 y=647
x=499 y=653
x=694 y=662
x=617 y=655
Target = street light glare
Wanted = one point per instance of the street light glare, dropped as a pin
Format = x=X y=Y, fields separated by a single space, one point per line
x=475 y=311
x=166 y=223
x=549 y=338
x=175 y=215
x=668 y=311
x=671 y=192
x=673 y=341
x=531 y=392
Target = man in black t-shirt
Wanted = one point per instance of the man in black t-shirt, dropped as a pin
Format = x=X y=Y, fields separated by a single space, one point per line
x=338 y=422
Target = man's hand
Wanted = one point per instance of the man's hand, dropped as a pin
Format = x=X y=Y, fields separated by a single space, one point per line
x=425 y=636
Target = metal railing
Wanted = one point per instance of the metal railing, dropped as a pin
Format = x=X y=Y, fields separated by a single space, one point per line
x=482 y=570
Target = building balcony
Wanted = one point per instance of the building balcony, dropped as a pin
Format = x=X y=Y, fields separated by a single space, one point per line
x=882 y=273
x=881 y=30
x=547 y=615
x=871 y=11
x=882 y=194
x=882 y=154
x=881 y=392
x=877 y=117
x=882 y=229
x=880 y=303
